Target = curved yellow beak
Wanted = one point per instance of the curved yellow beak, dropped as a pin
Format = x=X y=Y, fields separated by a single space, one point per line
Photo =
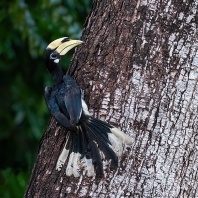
x=63 y=45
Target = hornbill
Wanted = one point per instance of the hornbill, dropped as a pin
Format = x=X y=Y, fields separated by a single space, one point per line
x=90 y=143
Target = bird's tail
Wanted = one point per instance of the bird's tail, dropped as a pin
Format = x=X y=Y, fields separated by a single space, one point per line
x=95 y=144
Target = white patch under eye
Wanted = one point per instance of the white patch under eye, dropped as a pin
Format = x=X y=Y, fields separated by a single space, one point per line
x=56 y=60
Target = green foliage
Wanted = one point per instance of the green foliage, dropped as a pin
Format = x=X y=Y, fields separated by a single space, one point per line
x=26 y=29
x=13 y=184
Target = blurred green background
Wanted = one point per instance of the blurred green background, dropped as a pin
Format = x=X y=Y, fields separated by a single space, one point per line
x=26 y=28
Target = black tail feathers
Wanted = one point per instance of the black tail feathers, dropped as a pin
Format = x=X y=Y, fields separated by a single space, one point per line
x=95 y=144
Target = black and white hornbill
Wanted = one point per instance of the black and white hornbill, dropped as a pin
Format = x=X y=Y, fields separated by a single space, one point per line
x=90 y=142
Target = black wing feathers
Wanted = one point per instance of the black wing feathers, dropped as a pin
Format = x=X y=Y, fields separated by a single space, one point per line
x=104 y=147
x=83 y=143
x=72 y=99
x=55 y=111
x=88 y=135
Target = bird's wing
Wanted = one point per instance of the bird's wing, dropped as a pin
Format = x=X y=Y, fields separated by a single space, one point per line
x=55 y=111
x=73 y=100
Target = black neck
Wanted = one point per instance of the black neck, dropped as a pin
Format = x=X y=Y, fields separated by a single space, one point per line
x=58 y=76
x=56 y=71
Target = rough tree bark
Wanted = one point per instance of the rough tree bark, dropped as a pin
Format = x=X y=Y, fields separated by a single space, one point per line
x=139 y=70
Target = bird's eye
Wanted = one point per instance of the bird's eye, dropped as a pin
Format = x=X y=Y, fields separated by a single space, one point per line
x=53 y=56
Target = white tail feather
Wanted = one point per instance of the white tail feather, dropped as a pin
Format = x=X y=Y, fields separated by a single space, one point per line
x=69 y=169
x=88 y=167
x=63 y=156
x=116 y=144
x=125 y=139
x=117 y=138
x=76 y=159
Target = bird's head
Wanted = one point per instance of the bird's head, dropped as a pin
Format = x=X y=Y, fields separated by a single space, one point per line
x=58 y=48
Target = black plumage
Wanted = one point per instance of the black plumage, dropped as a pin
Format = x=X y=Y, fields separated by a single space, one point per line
x=87 y=137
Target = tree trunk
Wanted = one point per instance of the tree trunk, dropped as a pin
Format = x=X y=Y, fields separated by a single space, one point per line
x=139 y=70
